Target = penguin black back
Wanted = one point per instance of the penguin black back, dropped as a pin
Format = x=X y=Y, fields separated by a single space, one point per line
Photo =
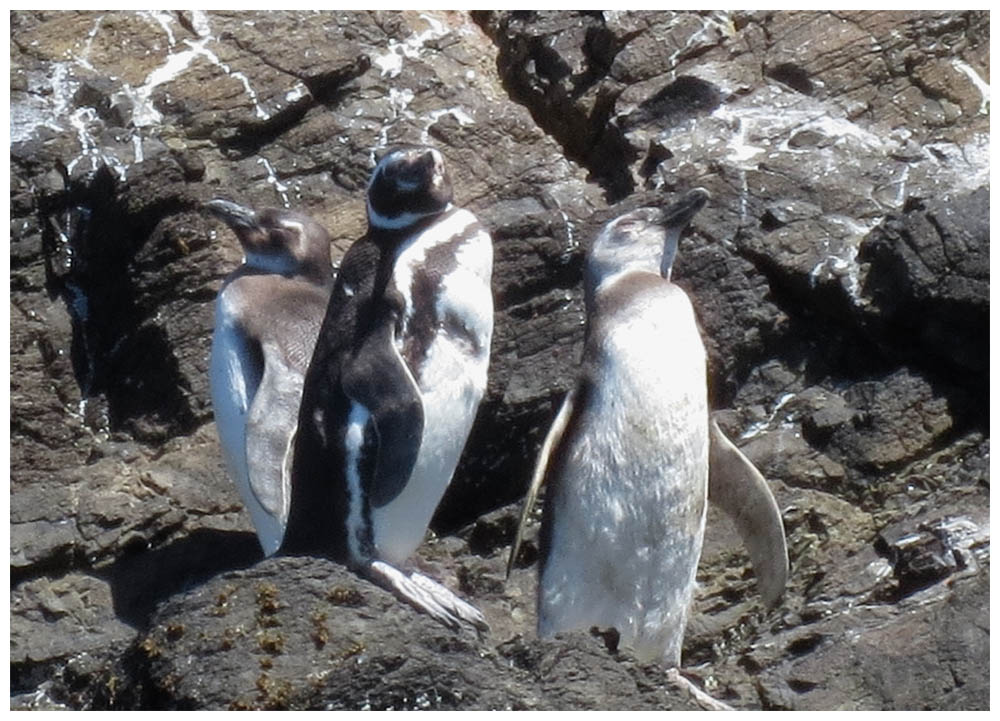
x=407 y=193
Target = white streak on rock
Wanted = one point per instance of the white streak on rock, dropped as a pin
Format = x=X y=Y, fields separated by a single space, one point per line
x=432 y=117
x=399 y=103
x=761 y=426
x=83 y=59
x=843 y=262
x=981 y=85
x=164 y=20
x=272 y=178
x=391 y=63
x=144 y=114
x=297 y=92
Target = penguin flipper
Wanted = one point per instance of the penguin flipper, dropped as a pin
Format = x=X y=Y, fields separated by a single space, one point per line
x=739 y=489
x=237 y=371
x=271 y=425
x=378 y=378
x=541 y=467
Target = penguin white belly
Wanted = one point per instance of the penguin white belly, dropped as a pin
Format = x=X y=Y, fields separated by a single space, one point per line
x=629 y=504
x=233 y=376
x=451 y=378
x=230 y=392
x=450 y=400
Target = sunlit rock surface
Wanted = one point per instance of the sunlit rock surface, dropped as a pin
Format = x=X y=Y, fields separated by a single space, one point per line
x=840 y=277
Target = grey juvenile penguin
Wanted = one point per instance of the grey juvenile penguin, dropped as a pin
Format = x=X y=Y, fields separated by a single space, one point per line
x=632 y=456
x=395 y=382
x=267 y=317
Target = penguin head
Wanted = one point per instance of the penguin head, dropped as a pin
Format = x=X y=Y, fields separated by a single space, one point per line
x=641 y=240
x=409 y=183
x=276 y=240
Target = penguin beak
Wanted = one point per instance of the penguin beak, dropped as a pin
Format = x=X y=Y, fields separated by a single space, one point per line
x=235 y=216
x=680 y=213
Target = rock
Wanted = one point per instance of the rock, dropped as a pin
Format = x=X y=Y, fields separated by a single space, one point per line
x=306 y=634
x=56 y=621
x=855 y=660
x=839 y=276
x=936 y=550
x=931 y=264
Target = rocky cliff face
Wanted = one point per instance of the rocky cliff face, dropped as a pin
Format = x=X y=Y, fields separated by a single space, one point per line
x=840 y=277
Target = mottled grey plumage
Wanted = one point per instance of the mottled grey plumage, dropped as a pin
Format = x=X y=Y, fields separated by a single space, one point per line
x=628 y=456
x=267 y=316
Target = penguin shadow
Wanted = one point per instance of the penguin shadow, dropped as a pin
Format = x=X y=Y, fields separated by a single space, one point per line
x=141 y=581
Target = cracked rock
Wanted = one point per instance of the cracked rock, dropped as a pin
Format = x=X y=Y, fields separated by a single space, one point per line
x=839 y=277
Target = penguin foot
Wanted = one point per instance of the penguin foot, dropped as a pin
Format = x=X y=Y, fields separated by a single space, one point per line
x=427 y=596
x=701 y=698
x=459 y=608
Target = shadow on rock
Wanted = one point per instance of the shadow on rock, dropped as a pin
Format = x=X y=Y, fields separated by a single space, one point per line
x=141 y=581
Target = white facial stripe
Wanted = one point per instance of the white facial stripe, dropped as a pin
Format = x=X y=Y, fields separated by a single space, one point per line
x=293 y=225
x=354 y=439
x=403 y=220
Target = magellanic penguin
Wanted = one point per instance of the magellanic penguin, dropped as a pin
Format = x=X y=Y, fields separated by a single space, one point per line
x=395 y=382
x=267 y=316
x=628 y=456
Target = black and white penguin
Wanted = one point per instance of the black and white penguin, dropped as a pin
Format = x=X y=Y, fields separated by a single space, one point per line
x=395 y=381
x=632 y=457
x=267 y=316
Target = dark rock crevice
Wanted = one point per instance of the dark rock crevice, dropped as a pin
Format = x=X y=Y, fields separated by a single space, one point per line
x=536 y=76
x=91 y=240
x=898 y=324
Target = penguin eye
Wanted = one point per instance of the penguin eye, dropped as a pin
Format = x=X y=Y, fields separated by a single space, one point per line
x=277 y=238
x=281 y=238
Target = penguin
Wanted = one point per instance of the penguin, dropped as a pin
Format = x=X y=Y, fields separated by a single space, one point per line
x=632 y=457
x=395 y=382
x=267 y=317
